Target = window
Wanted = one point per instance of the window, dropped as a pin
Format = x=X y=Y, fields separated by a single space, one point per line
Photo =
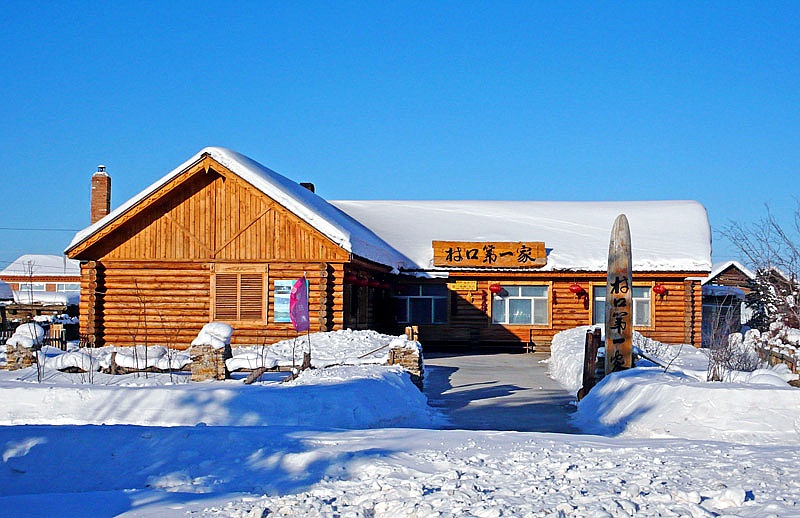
x=521 y=305
x=421 y=304
x=239 y=296
x=68 y=286
x=641 y=306
x=34 y=286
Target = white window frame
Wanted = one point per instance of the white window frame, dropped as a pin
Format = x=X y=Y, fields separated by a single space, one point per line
x=507 y=298
x=601 y=302
x=33 y=286
x=62 y=286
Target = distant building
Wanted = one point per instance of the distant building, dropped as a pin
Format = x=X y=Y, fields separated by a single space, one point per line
x=221 y=237
x=40 y=284
x=724 y=293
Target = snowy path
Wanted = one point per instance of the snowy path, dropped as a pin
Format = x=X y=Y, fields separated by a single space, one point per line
x=497 y=392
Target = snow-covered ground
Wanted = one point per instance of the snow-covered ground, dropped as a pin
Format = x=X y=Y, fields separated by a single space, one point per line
x=318 y=447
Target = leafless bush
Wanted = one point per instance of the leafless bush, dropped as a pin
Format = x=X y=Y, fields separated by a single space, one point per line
x=771 y=249
x=728 y=356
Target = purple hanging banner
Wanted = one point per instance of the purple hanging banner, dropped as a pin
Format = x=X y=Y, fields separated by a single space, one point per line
x=298 y=305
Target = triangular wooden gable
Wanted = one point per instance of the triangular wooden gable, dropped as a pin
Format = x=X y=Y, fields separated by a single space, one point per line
x=208 y=213
x=730 y=276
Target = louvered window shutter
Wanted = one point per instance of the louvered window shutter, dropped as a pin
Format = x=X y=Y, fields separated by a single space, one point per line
x=226 y=300
x=251 y=297
x=239 y=296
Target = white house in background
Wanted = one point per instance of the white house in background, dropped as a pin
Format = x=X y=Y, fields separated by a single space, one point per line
x=43 y=279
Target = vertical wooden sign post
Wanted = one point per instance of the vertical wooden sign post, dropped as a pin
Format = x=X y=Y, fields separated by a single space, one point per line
x=619 y=306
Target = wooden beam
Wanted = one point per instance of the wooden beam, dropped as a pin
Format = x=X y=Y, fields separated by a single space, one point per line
x=241 y=231
x=188 y=232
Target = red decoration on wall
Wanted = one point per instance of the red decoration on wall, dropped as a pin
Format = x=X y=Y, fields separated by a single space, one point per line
x=659 y=289
x=350 y=278
x=576 y=288
x=495 y=288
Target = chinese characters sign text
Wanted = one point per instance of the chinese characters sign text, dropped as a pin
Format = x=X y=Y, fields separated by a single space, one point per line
x=491 y=254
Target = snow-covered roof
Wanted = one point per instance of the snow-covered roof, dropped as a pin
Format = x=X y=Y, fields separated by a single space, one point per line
x=339 y=227
x=710 y=290
x=43 y=265
x=666 y=235
x=718 y=268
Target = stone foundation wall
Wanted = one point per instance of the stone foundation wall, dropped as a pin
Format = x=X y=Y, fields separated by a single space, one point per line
x=209 y=363
x=411 y=361
x=19 y=357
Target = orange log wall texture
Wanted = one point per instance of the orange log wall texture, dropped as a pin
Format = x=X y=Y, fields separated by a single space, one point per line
x=675 y=316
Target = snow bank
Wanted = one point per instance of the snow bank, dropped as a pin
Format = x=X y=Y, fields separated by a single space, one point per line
x=56 y=359
x=215 y=334
x=141 y=358
x=329 y=348
x=353 y=397
x=648 y=402
x=566 y=357
x=27 y=335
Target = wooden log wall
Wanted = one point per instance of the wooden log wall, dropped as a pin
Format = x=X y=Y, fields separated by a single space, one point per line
x=168 y=303
x=155 y=303
x=90 y=318
x=676 y=316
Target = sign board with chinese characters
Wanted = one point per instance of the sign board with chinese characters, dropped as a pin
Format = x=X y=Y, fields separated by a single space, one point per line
x=619 y=299
x=463 y=286
x=489 y=254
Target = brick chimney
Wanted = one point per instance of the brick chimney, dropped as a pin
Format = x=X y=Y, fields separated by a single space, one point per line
x=101 y=193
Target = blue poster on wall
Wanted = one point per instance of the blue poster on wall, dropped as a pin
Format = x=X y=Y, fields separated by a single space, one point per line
x=282 y=291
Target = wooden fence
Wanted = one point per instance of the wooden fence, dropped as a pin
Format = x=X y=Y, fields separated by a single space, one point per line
x=787 y=356
x=56 y=335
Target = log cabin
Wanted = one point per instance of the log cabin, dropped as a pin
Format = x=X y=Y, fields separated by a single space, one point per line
x=724 y=301
x=221 y=237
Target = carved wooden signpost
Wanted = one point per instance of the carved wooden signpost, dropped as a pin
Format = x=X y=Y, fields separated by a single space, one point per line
x=619 y=307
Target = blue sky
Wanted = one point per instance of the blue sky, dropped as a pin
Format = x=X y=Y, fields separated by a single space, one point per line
x=428 y=100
